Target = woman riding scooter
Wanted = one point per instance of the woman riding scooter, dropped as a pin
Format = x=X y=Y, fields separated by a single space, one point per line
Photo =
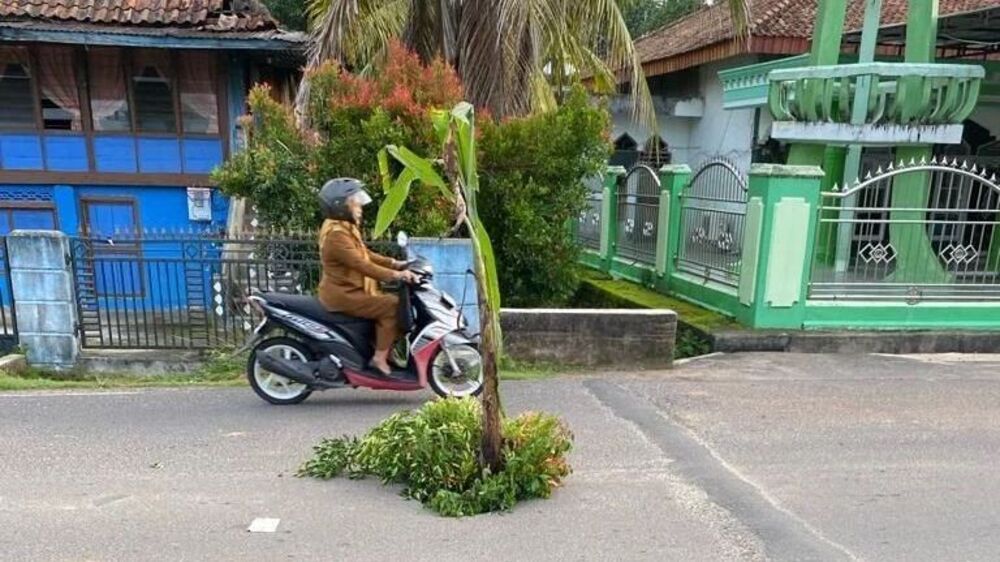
x=351 y=273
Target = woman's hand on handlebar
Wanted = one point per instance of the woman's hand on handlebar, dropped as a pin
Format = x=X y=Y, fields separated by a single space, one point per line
x=408 y=277
x=399 y=265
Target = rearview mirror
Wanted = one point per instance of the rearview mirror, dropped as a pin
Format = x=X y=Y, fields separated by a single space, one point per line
x=402 y=239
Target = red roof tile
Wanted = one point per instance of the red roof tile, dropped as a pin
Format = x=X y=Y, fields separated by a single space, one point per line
x=772 y=19
x=209 y=15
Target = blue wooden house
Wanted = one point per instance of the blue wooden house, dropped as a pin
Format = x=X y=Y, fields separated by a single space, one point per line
x=114 y=112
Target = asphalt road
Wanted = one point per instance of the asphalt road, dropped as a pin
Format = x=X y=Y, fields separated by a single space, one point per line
x=744 y=457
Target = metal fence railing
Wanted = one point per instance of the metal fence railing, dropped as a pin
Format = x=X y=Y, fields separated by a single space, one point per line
x=712 y=220
x=938 y=241
x=590 y=222
x=185 y=291
x=176 y=291
x=638 y=215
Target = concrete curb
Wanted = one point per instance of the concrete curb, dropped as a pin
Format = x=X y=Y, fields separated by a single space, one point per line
x=143 y=362
x=892 y=343
x=13 y=363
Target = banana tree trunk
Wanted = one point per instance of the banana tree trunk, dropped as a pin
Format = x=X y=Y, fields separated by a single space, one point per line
x=491 y=447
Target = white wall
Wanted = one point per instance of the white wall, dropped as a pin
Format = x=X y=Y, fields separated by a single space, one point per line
x=675 y=130
x=693 y=140
x=720 y=132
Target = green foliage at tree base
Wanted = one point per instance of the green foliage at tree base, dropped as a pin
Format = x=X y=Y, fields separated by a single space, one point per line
x=434 y=453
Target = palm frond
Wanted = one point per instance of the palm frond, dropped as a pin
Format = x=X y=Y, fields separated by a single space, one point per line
x=739 y=11
x=354 y=31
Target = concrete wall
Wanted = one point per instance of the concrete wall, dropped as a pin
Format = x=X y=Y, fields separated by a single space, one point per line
x=43 y=297
x=452 y=260
x=719 y=132
x=591 y=337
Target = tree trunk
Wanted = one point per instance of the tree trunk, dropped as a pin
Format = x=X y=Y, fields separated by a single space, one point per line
x=491 y=447
x=492 y=443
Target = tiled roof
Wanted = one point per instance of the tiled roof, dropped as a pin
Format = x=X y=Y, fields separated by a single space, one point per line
x=207 y=15
x=773 y=19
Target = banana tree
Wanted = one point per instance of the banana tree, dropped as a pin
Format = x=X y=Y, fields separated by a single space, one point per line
x=456 y=131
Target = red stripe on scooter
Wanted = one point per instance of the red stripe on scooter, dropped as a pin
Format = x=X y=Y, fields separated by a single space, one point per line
x=422 y=360
x=357 y=379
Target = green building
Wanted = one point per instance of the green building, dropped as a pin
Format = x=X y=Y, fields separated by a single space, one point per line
x=877 y=204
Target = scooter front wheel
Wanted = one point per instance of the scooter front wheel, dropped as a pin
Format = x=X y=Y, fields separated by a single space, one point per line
x=273 y=387
x=457 y=371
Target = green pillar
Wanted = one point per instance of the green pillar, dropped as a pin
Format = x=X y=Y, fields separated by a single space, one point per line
x=827 y=33
x=859 y=115
x=825 y=50
x=916 y=260
x=609 y=214
x=778 y=242
x=834 y=160
x=674 y=178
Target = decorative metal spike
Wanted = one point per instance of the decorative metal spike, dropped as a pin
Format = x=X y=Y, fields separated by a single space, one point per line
x=913 y=161
x=965 y=164
x=934 y=160
x=879 y=171
x=982 y=172
x=901 y=164
x=993 y=178
x=890 y=168
x=923 y=160
x=974 y=169
x=857 y=181
x=836 y=186
x=954 y=161
x=868 y=176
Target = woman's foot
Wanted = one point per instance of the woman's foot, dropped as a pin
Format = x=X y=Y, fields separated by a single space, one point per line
x=381 y=365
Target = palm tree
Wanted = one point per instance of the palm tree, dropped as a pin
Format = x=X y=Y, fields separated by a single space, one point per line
x=513 y=56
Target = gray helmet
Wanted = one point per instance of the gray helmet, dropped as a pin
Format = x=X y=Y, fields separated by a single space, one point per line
x=335 y=193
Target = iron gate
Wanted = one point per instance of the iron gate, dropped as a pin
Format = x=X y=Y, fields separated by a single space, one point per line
x=182 y=292
x=714 y=205
x=638 y=215
x=589 y=223
x=938 y=240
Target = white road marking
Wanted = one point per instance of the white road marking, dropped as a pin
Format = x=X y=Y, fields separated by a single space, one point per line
x=57 y=394
x=264 y=525
x=945 y=358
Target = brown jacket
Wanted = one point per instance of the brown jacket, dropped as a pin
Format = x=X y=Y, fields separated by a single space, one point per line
x=350 y=271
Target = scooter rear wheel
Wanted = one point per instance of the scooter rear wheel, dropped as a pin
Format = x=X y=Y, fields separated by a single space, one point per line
x=272 y=387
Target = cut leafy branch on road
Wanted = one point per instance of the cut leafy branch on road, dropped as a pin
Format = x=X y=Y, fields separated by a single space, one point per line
x=434 y=453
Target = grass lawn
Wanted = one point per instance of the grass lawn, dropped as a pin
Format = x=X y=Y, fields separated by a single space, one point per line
x=600 y=290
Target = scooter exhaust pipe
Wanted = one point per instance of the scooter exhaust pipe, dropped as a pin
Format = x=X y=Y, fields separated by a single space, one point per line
x=295 y=370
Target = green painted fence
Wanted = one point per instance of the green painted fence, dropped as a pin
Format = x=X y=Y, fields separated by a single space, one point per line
x=770 y=287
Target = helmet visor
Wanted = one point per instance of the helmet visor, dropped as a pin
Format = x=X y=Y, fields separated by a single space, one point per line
x=362 y=197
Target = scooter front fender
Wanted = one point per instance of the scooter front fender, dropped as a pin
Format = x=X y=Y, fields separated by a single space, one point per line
x=458 y=337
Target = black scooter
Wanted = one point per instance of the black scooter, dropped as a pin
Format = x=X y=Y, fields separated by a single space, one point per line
x=300 y=347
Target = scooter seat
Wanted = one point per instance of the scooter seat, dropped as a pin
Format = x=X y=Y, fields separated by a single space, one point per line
x=310 y=307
